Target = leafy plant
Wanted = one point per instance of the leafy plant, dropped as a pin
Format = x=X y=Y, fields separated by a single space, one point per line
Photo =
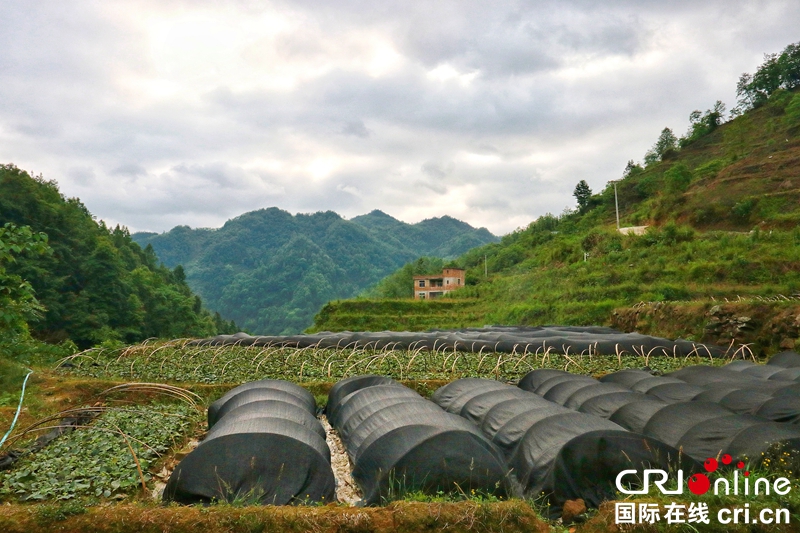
x=109 y=457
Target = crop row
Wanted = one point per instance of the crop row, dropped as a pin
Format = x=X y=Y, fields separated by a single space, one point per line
x=177 y=361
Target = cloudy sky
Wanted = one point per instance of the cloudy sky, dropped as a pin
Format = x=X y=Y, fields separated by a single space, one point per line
x=159 y=113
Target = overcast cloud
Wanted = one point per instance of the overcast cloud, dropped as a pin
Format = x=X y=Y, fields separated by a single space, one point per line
x=159 y=113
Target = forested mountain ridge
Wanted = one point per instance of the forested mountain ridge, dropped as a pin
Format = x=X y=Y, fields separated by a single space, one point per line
x=271 y=271
x=95 y=284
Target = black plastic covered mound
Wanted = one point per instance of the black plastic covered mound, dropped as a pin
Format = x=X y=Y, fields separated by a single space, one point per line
x=785 y=359
x=399 y=441
x=672 y=422
x=627 y=378
x=584 y=394
x=265 y=384
x=534 y=378
x=733 y=402
x=352 y=384
x=509 y=339
x=634 y=416
x=453 y=396
x=551 y=448
x=264 y=446
x=605 y=405
x=587 y=466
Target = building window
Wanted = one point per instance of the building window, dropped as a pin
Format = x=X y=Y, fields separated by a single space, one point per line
x=422 y=283
x=422 y=296
x=459 y=281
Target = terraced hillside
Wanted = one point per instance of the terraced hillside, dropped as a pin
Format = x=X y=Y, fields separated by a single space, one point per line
x=723 y=215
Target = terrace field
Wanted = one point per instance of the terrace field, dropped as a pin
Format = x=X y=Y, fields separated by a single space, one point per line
x=108 y=472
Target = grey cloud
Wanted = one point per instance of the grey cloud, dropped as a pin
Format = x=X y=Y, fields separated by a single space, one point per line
x=356 y=128
x=82 y=175
x=560 y=91
x=129 y=169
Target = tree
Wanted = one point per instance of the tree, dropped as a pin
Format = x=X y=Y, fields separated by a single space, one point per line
x=701 y=124
x=631 y=169
x=666 y=142
x=18 y=303
x=776 y=72
x=582 y=194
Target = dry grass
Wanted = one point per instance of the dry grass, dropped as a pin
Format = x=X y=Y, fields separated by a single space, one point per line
x=398 y=517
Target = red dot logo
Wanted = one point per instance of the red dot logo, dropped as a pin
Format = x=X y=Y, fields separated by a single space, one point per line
x=726 y=459
x=740 y=464
x=746 y=473
x=710 y=464
x=699 y=484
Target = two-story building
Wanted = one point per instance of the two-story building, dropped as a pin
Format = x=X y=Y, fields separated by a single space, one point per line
x=435 y=286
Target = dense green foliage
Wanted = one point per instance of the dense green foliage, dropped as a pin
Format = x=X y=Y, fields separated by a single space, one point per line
x=96 y=285
x=97 y=461
x=18 y=303
x=271 y=271
x=778 y=71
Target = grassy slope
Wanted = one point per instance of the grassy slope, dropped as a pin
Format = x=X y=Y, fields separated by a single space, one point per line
x=730 y=232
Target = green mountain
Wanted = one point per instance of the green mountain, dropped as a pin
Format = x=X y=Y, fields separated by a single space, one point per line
x=271 y=271
x=89 y=283
x=719 y=262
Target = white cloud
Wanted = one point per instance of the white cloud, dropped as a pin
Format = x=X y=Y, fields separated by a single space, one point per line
x=177 y=112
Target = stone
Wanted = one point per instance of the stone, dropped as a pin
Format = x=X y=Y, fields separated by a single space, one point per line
x=571 y=509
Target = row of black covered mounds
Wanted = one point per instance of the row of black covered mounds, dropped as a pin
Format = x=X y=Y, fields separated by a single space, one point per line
x=680 y=414
x=264 y=445
x=552 y=449
x=398 y=441
x=508 y=339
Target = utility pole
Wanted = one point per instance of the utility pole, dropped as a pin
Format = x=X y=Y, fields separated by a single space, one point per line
x=616 y=203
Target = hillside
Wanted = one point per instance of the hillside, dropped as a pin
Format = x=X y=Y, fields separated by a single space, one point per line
x=721 y=258
x=271 y=271
x=70 y=278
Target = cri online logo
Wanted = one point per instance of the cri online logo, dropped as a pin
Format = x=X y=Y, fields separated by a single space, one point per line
x=700 y=483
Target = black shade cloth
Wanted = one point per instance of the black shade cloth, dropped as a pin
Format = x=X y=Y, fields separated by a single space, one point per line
x=634 y=416
x=510 y=339
x=563 y=391
x=479 y=406
x=400 y=442
x=534 y=378
x=675 y=392
x=672 y=422
x=627 y=378
x=274 y=409
x=646 y=384
x=714 y=436
x=501 y=413
x=788 y=359
x=787 y=374
x=577 y=399
x=256 y=395
x=274 y=384
x=349 y=385
x=462 y=391
x=587 y=466
x=259 y=468
x=554 y=381
x=536 y=451
x=605 y=405
x=260 y=451
x=784 y=409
